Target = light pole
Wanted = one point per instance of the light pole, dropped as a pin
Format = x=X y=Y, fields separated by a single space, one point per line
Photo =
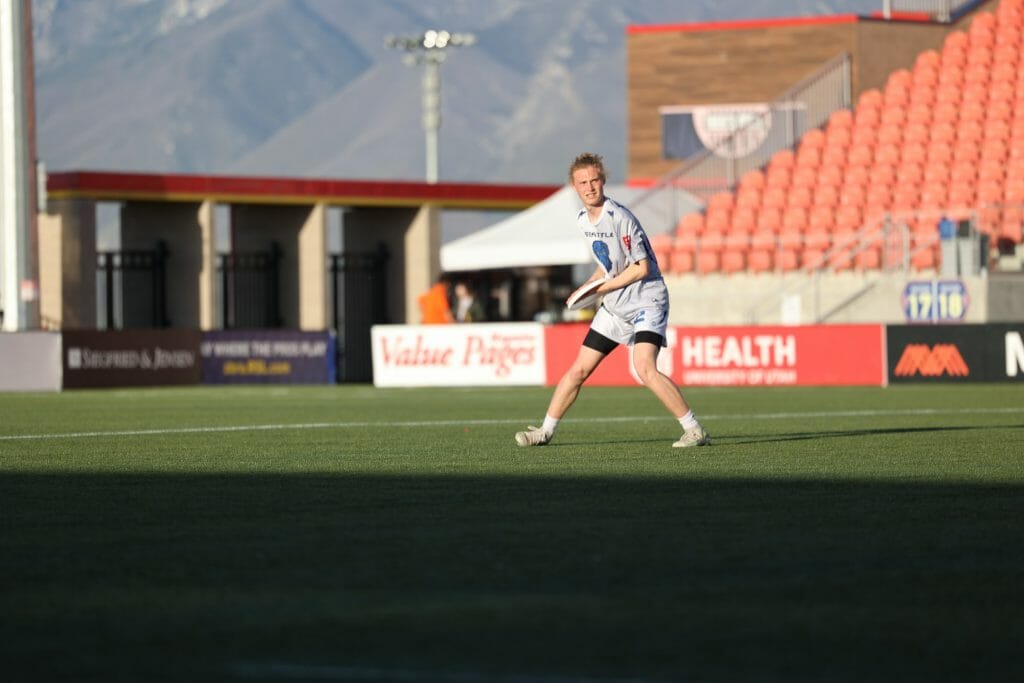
x=429 y=50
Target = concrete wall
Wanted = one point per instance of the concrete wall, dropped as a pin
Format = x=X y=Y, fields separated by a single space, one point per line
x=742 y=299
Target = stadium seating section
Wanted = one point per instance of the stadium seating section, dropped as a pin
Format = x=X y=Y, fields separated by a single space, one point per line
x=944 y=138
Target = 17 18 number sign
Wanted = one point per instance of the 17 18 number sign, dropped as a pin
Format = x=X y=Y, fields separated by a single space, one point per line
x=935 y=301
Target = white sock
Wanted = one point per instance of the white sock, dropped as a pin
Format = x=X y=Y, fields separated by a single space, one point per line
x=550 y=425
x=689 y=421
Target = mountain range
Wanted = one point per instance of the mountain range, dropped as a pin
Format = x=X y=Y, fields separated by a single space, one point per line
x=308 y=87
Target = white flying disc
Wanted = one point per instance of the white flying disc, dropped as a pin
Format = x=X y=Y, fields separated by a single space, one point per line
x=584 y=296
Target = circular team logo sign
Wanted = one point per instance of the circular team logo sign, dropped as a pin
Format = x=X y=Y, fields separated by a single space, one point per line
x=732 y=132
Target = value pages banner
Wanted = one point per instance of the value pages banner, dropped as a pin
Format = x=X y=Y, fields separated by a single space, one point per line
x=477 y=354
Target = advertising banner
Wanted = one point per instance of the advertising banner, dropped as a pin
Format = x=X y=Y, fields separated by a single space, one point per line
x=30 y=361
x=956 y=353
x=478 y=354
x=268 y=357
x=126 y=358
x=819 y=355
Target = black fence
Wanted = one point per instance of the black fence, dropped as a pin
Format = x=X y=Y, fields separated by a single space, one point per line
x=250 y=289
x=132 y=288
x=360 y=295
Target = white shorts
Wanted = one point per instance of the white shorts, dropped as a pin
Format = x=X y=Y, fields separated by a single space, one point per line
x=624 y=331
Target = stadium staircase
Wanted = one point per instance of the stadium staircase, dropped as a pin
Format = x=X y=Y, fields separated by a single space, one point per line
x=866 y=191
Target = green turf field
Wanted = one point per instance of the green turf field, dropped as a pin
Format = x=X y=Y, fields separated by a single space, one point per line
x=356 y=534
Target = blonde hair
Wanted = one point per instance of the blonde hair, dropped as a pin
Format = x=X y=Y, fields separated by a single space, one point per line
x=586 y=160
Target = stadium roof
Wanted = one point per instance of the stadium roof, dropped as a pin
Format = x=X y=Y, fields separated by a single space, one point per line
x=266 y=190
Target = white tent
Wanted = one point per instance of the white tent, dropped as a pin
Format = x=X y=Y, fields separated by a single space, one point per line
x=546 y=233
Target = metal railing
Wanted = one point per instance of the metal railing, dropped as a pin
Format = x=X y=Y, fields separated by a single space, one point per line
x=939 y=10
x=132 y=288
x=898 y=245
x=249 y=289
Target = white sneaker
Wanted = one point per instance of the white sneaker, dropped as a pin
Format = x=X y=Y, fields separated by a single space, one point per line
x=694 y=436
x=533 y=436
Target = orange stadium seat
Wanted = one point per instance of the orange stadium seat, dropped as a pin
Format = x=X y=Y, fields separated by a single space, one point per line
x=920 y=114
x=717 y=221
x=721 y=200
x=839 y=136
x=763 y=240
x=808 y=157
x=856 y=175
x=800 y=197
x=826 y=195
x=909 y=173
x=748 y=197
x=689 y=226
x=936 y=173
x=773 y=198
x=841 y=118
x=965 y=194
x=833 y=157
x=708 y=262
x=744 y=220
x=830 y=176
x=914 y=153
x=890 y=134
x=770 y=218
x=821 y=218
x=733 y=261
x=871 y=98
x=752 y=179
x=893 y=115
x=921 y=95
x=778 y=177
x=814 y=138
x=929 y=59
x=860 y=154
x=887 y=154
x=804 y=177
x=759 y=261
x=736 y=240
x=782 y=159
x=711 y=242
x=681 y=260
x=794 y=218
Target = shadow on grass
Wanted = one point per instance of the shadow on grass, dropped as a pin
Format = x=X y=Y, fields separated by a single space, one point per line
x=226 y=577
x=725 y=438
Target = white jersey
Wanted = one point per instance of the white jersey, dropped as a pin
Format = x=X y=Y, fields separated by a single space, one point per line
x=617 y=241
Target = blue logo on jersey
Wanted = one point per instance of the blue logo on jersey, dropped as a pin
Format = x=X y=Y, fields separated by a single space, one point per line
x=602 y=254
x=640 y=317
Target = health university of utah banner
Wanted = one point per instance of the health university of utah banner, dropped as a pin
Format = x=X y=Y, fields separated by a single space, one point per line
x=813 y=355
x=956 y=353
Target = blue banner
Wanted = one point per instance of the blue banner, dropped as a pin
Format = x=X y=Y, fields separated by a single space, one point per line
x=268 y=357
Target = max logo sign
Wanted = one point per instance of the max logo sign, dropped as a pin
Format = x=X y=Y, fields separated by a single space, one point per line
x=935 y=361
x=1014 y=354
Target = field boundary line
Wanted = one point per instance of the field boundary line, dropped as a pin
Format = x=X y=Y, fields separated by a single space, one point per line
x=286 y=671
x=471 y=423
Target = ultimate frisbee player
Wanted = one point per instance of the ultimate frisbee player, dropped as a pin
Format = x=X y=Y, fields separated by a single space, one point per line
x=634 y=310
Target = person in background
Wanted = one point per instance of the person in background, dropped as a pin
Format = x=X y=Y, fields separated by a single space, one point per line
x=434 y=307
x=467 y=308
x=634 y=310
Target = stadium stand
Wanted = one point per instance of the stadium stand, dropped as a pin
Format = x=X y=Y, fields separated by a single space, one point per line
x=944 y=138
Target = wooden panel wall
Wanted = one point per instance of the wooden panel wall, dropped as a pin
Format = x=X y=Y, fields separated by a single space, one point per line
x=726 y=65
